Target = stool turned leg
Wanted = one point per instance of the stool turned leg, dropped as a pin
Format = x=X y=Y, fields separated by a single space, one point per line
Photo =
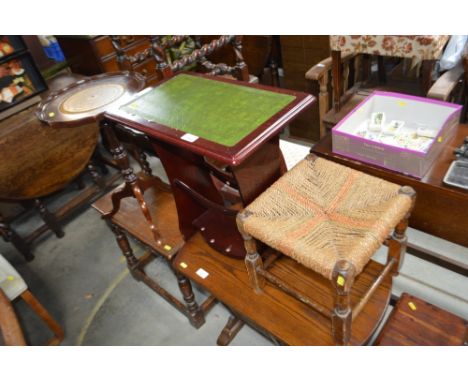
x=342 y=280
x=196 y=316
x=124 y=245
x=398 y=240
x=45 y=316
x=49 y=218
x=253 y=261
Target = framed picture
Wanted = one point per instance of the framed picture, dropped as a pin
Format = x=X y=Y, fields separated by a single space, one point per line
x=10 y=45
x=19 y=80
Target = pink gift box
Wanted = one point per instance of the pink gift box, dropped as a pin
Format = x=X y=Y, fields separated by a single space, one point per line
x=436 y=115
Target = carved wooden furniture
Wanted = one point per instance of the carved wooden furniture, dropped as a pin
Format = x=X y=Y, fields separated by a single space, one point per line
x=261 y=54
x=14 y=287
x=172 y=54
x=440 y=209
x=91 y=55
x=276 y=314
x=151 y=219
x=187 y=128
x=160 y=49
x=344 y=78
x=238 y=127
x=416 y=322
x=329 y=219
x=36 y=161
x=47 y=159
x=87 y=99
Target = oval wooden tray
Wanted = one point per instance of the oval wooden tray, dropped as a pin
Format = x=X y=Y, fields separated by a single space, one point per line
x=86 y=100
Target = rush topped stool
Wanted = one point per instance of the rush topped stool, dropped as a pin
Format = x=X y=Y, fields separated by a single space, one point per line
x=330 y=220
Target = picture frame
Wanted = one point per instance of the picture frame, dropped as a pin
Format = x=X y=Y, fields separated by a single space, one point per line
x=11 y=45
x=20 y=81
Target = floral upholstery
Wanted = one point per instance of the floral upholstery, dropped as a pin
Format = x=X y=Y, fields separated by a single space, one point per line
x=418 y=48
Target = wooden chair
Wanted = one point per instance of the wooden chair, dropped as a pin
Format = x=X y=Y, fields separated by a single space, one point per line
x=329 y=219
x=10 y=329
x=196 y=56
x=356 y=85
x=12 y=287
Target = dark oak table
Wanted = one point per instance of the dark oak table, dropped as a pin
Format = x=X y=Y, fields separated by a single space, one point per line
x=37 y=160
x=440 y=210
x=194 y=118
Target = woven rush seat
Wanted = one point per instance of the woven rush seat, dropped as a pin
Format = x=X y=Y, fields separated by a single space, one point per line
x=321 y=212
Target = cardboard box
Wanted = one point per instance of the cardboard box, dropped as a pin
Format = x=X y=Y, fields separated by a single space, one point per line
x=404 y=151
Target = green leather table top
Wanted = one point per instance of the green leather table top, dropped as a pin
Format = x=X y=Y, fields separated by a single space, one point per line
x=217 y=111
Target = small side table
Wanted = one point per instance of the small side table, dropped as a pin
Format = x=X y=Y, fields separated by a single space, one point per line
x=190 y=117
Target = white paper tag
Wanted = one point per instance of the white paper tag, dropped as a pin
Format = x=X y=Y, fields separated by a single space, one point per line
x=189 y=137
x=202 y=273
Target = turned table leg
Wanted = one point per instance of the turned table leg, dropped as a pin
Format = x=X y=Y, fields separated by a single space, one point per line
x=195 y=314
x=124 y=245
x=49 y=218
x=10 y=236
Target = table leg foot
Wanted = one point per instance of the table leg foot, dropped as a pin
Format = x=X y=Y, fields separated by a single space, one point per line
x=195 y=314
x=229 y=331
x=10 y=236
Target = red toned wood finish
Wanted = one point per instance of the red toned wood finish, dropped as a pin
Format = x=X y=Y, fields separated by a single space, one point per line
x=50 y=111
x=256 y=162
x=418 y=323
x=440 y=210
x=228 y=155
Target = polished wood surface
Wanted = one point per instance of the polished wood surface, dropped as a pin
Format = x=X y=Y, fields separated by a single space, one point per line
x=440 y=210
x=235 y=154
x=161 y=205
x=158 y=203
x=37 y=160
x=96 y=54
x=254 y=163
x=274 y=312
x=418 y=323
x=87 y=99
